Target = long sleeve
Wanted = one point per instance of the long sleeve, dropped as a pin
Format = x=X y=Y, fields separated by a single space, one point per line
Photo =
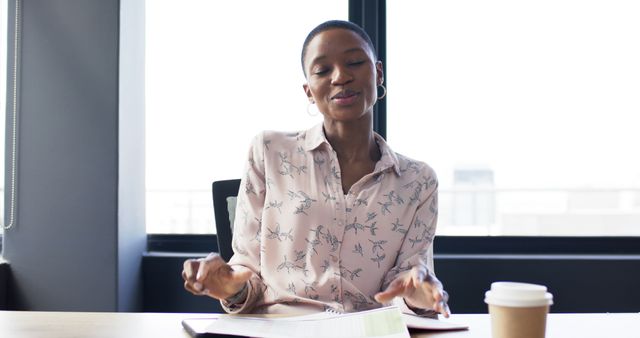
x=417 y=246
x=247 y=227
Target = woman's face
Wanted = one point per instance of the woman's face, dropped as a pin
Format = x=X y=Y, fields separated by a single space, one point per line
x=342 y=76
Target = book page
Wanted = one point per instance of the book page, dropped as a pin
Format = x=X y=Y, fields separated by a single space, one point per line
x=383 y=323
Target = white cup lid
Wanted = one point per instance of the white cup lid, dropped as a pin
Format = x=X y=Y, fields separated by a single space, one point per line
x=518 y=295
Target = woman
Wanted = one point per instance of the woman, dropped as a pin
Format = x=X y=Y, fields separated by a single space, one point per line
x=330 y=217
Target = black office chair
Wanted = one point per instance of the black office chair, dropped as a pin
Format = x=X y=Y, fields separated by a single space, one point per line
x=221 y=191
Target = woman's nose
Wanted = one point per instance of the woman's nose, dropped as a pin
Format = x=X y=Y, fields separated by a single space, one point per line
x=341 y=76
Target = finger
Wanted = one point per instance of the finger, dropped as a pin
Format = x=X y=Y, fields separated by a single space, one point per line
x=446 y=311
x=188 y=276
x=441 y=305
x=186 y=279
x=430 y=277
x=433 y=280
x=189 y=287
x=203 y=270
x=442 y=308
x=437 y=295
x=188 y=268
x=206 y=265
x=395 y=289
x=418 y=275
x=385 y=296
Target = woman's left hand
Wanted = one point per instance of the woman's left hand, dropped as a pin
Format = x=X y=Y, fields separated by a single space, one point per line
x=420 y=289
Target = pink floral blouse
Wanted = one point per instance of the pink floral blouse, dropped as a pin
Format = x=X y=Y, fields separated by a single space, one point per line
x=312 y=246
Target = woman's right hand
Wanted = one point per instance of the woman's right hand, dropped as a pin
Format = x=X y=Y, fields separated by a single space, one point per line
x=212 y=276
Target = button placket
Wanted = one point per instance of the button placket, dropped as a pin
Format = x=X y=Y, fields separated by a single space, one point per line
x=340 y=215
x=341 y=219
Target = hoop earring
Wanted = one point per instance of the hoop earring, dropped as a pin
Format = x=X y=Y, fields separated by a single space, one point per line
x=384 y=92
x=315 y=113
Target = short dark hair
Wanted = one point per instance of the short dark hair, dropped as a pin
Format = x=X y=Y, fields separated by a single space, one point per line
x=332 y=24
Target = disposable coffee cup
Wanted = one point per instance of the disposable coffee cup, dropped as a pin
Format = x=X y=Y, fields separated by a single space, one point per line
x=518 y=309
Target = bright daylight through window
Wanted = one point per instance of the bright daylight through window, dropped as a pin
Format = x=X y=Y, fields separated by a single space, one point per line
x=528 y=112
x=216 y=76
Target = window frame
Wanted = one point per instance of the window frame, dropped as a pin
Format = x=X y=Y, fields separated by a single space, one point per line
x=371 y=15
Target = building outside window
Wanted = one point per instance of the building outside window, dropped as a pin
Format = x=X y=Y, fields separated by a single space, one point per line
x=526 y=110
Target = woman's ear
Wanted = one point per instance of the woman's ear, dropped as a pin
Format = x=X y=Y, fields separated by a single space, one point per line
x=307 y=91
x=379 y=73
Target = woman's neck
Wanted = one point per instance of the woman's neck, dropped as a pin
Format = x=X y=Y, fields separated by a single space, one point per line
x=353 y=141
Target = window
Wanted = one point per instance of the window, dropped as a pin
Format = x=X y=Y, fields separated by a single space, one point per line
x=216 y=76
x=526 y=110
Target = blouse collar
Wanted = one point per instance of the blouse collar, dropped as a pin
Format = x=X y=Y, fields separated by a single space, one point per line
x=315 y=137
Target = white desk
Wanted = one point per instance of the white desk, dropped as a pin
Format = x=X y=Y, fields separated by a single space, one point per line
x=27 y=324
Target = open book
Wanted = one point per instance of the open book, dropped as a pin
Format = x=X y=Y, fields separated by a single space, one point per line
x=383 y=322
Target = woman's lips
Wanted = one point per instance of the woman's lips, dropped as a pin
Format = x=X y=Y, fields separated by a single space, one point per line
x=346 y=100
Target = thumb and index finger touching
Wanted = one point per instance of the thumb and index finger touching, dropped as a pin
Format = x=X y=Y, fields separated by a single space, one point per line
x=214 y=265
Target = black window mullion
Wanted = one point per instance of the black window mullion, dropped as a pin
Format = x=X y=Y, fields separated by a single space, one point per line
x=371 y=15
